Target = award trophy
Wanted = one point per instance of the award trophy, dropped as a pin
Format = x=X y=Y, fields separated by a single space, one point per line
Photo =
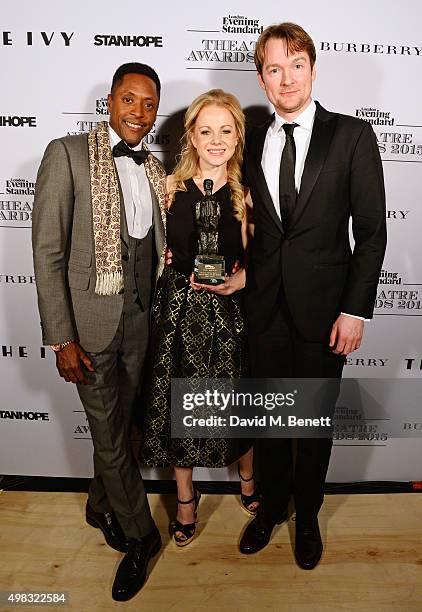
x=209 y=266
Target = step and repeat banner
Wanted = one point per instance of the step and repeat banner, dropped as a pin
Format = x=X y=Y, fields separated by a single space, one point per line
x=57 y=61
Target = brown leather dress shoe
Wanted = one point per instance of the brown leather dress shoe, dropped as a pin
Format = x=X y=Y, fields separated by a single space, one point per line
x=258 y=533
x=132 y=571
x=109 y=525
x=308 y=545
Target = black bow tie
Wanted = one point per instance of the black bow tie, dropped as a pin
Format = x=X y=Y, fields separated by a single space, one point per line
x=122 y=150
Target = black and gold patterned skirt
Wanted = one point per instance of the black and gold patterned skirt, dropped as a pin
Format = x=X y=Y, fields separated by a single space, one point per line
x=195 y=334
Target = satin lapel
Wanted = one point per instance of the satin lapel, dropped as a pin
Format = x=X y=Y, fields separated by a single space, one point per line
x=322 y=134
x=261 y=183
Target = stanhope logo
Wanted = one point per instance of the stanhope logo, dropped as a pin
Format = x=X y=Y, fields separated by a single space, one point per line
x=17 y=121
x=118 y=40
x=19 y=415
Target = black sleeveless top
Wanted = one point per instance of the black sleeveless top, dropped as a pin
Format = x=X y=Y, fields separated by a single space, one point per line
x=181 y=232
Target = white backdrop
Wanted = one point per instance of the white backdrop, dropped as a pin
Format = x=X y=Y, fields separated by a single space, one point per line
x=56 y=65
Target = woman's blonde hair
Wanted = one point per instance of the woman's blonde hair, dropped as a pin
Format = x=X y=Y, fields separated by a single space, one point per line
x=188 y=162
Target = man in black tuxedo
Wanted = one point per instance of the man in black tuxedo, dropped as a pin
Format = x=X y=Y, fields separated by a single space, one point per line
x=307 y=292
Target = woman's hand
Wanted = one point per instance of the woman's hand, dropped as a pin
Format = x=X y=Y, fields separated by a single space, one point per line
x=232 y=283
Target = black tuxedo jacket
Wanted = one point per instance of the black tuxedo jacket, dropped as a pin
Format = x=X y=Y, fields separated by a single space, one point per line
x=312 y=265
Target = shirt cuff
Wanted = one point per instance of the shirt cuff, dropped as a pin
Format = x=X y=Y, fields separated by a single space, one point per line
x=355 y=316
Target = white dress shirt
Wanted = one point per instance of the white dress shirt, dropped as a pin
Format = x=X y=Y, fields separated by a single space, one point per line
x=136 y=191
x=273 y=148
x=275 y=140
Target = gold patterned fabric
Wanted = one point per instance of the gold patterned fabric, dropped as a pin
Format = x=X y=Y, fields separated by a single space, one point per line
x=194 y=334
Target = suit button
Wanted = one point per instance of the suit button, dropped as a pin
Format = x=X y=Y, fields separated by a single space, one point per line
x=137 y=275
x=125 y=257
x=134 y=291
x=287 y=242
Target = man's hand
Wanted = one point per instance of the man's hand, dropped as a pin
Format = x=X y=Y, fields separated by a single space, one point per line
x=346 y=335
x=68 y=362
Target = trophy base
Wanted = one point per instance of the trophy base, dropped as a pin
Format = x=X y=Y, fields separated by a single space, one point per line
x=209 y=269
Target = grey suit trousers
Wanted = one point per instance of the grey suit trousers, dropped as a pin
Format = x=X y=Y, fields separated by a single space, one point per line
x=108 y=401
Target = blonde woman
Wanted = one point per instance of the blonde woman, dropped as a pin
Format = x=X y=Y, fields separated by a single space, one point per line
x=198 y=330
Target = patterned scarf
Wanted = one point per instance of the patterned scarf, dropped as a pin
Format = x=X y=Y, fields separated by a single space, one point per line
x=105 y=196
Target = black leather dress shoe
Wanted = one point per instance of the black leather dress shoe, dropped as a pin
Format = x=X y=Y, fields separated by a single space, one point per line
x=308 y=545
x=258 y=533
x=109 y=525
x=132 y=571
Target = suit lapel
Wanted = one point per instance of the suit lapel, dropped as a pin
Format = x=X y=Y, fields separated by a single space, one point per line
x=124 y=232
x=322 y=134
x=157 y=180
x=261 y=183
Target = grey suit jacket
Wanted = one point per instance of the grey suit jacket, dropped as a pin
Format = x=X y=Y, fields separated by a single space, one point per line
x=63 y=247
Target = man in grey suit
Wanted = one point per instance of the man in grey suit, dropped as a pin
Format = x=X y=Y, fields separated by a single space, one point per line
x=98 y=242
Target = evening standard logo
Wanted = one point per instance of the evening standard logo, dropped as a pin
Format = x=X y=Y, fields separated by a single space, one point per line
x=374 y=116
x=388 y=277
x=212 y=51
x=369 y=48
x=239 y=24
x=127 y=40
x=350 y=425
x=393 y=298
x=19 y=415
x=16 y=202
x=19 y=186
x=401 y=142
x=16 y=211
x=101 y=106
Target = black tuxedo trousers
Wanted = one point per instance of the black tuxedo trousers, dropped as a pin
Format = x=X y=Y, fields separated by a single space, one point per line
x=284 y=466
